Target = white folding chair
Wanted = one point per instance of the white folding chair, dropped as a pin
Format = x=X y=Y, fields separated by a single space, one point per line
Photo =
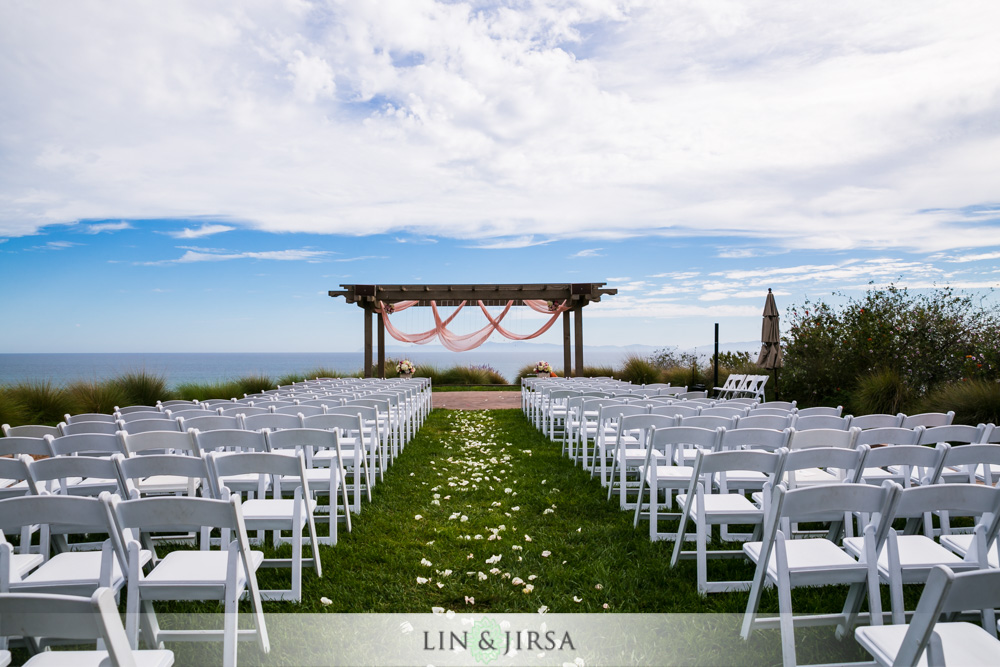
x=787 y=563
x=328 y=480
x=94 y=617
x=660 y=472
x=927 y=641
x=275 y=513
x=629 y=451
x=865 y=422
x=706 y=507
x=222 y=575
x=907 y=559
x=355 y=452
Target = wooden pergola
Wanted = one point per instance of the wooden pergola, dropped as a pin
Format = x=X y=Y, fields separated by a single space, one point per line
x=576 y=296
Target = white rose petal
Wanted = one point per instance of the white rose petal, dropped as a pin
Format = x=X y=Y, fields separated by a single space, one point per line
x=482 y=576
x=599 y=587
x=532 y=577
x=326 y=602
x=543 y=609
x=437 y=610
x=418 y=517
x=440 y=585
x=425 y=562
x=546 y=554
x=576 y=599
x=517 y=581
x=422 y=580
x=528 y=588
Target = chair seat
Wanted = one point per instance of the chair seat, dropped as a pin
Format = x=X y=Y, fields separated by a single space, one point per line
x=21 y=564
x=961 y=544
x=319 y=479
x=75 y=570
x=267 y=513
x=723 y=503
x=193 y=569
x=805 y=555
x=673 y=472
x=814 y=476
x=964 y=644
x=166 y=484
x=154 y=658
x=915 y=552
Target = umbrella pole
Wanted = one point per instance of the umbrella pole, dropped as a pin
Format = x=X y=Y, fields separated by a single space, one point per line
x=775 y=384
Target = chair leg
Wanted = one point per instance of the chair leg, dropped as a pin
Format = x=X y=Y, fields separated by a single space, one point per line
x=785 y=620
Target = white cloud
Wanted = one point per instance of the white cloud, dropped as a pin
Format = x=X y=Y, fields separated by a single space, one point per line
x=107 y=227
x=790 y=126
x=961 y=259
x=201 y=232
x=589 y=252
x=507 y=244
x=210 y=255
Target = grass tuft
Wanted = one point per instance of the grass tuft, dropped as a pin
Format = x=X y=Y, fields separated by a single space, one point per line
x=142 y=387
x=96 y=396
x=41 y=401
x=974 y=401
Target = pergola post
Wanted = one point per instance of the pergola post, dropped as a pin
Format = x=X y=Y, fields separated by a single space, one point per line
x=368 y=341
x=381 y=346
x=567 y=355
x=578 y=326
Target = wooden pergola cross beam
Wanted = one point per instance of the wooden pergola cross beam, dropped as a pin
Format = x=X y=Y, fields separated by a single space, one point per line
x=577 y=295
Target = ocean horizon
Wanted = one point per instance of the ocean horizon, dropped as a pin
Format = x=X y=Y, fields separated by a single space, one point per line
x=183 y=367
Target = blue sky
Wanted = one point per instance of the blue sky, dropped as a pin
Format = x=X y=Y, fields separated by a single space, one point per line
x=195 y=176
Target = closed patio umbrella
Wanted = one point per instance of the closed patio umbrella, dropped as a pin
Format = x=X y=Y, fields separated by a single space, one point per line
x=770 y=337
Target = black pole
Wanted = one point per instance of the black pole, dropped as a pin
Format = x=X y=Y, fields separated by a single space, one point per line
x=715 y=380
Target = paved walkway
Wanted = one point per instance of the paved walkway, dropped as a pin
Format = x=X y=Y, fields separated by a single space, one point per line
x=477 y=400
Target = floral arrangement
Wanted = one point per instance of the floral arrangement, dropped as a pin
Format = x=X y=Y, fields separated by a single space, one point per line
x=405 y=367
x=543 y=367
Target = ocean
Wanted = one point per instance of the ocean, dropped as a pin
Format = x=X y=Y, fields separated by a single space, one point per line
x=178 y=368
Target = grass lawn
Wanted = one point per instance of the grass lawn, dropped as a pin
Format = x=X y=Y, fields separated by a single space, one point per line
x=482 y=514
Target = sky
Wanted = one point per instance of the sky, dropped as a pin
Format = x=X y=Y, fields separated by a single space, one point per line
x=194 y=176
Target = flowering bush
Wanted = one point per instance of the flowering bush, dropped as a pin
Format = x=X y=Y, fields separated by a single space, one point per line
x=543 y=367
x=927 y=340
x=405 y=367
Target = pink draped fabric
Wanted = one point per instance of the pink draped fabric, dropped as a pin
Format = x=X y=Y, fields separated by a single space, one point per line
x=469 y=341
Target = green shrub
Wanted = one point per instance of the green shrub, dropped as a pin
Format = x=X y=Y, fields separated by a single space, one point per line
x=96 y=396
x=253 y=384
x=11 y=410
x=599 y=371
x=42 y=402
x=882 y=391
x=677 y=376
x=470 y=375
x=143 y=388
x=290 y=378
x=640 y=370
x=974 y=401
x=201 y=391
x=926 y=339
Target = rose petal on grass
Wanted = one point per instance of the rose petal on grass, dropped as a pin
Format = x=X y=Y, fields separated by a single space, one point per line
x=326 y=602
x=576 y=599
x=543 y=609
x=527 y=588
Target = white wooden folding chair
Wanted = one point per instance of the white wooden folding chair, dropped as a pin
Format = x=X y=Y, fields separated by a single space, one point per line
x=356 y=452
x=788 y=563
x=70 y=571
x=660 y=472
x=706 y=507
x=607 y=434
x=327 y=481
x=629 y=451
x=907 y=559
x=69 y=617
x=222 y=575
x=926 y=641
x=276 y=513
